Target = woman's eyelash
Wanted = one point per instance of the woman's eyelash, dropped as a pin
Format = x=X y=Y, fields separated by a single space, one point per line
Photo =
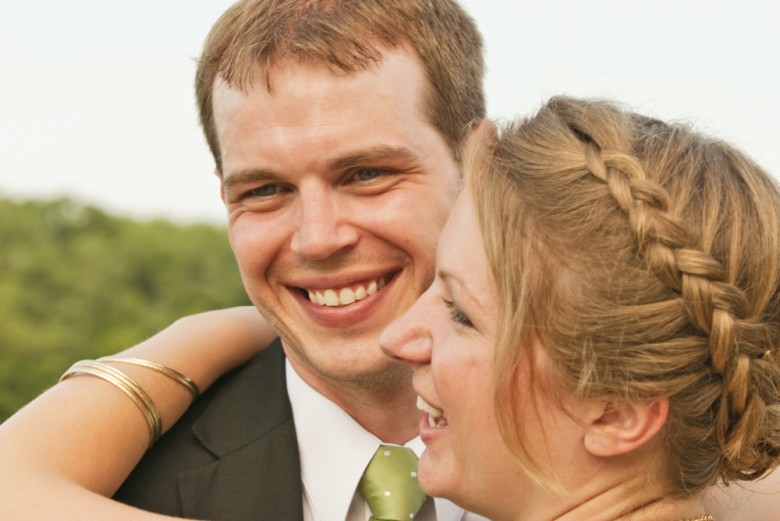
x=456 y=315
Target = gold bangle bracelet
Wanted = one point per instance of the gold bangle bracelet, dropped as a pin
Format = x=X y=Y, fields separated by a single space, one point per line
x=173 y=374
x=125 y=384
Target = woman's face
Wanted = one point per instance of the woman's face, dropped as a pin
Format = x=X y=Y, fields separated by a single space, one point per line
x=448 y=337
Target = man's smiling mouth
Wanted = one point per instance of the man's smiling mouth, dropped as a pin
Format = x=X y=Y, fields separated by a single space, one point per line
x=336 y=297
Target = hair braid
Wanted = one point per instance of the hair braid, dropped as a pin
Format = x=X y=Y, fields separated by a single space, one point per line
x=715 y=307
x=646 y=260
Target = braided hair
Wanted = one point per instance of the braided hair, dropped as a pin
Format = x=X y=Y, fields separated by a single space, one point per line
x=646 y=258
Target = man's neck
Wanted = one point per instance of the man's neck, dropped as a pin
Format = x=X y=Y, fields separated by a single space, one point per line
x=384 y=405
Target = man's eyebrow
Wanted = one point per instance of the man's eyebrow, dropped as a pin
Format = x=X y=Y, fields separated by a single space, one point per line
x=363 y=157
x=244 y=177
x=374 y=155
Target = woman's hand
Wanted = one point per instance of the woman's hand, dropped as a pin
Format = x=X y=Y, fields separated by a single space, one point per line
x=72 y=447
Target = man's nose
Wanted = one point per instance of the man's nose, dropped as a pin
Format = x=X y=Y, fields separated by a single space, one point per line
x=323 y=228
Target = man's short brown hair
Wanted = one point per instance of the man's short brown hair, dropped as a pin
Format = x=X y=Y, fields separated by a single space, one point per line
x=349 y=35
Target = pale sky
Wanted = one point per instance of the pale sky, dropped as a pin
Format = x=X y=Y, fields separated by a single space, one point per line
x=96 y=96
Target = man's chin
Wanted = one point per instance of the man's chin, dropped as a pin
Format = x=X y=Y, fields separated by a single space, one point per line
x=372 y=373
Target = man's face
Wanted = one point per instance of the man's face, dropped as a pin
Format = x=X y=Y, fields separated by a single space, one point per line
x=337 y=188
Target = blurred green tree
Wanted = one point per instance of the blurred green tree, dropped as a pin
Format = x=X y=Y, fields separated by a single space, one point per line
x=76 y=282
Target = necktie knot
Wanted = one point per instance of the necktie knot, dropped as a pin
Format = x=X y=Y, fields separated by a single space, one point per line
x=390 y=485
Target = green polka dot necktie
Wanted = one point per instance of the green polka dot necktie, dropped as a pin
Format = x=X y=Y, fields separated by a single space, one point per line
x=390 y=485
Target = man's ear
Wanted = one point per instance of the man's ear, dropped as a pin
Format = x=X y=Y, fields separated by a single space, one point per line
x=619 y=428
x=477 y=124
x=221 y=186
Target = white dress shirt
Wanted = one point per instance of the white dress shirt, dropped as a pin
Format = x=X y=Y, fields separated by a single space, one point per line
x=334 y=451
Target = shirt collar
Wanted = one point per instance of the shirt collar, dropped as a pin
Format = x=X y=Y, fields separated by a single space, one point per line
x=334 y=449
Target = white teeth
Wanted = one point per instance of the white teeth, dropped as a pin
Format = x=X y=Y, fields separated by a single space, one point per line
x=434 y=414
x=331 y=298
x=426 y=407
x=360 y=293
x=345 y=296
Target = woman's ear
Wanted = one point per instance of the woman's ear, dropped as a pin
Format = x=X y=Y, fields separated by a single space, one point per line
x=619 y=428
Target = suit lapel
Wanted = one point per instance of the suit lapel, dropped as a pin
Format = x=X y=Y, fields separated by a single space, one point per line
x=248 y=427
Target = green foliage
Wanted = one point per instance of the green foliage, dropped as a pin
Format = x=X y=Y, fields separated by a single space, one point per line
x=78 y=283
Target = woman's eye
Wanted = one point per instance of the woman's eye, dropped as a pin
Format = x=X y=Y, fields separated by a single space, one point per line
x=456 y=315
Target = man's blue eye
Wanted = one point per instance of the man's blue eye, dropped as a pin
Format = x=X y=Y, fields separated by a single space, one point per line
x=265 y=190
x=367 y=174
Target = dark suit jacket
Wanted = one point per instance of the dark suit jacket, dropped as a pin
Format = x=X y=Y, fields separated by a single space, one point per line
x=233 y=456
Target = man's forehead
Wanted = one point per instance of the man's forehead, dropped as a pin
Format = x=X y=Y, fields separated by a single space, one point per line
x=347 y=117
x=398 y=77
x=266 y=75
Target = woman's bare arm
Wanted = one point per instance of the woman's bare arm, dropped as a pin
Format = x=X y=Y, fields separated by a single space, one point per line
x=74 y=445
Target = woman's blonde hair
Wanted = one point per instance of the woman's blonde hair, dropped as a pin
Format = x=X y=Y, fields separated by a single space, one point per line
x=646 y=259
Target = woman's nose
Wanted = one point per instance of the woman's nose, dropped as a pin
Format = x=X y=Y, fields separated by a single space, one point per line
x=408 y=338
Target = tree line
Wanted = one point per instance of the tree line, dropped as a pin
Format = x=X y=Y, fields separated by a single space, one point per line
x=77 y=282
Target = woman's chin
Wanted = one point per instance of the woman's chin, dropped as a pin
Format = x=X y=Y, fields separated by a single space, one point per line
x=437 y=477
